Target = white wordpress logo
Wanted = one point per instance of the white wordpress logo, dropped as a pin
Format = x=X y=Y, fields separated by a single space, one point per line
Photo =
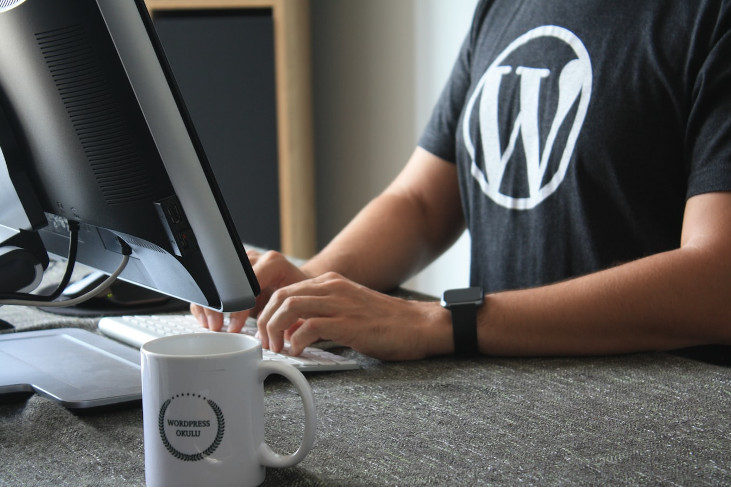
x=574 y=84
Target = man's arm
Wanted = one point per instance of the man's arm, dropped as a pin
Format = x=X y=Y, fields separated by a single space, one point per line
x=409 y=224
x=669 y=300
x=674 y=299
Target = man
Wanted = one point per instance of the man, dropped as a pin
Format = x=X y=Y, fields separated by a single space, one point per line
x=586 y=145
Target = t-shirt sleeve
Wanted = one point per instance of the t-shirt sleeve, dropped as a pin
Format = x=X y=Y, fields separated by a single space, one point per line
x=708 y=133
x=439 y=136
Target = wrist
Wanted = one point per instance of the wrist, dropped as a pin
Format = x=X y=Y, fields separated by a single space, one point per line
x=440 y=340
x=463 y=305
x=314 y=267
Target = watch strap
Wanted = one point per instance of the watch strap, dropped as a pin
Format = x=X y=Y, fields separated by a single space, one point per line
x=464 y=330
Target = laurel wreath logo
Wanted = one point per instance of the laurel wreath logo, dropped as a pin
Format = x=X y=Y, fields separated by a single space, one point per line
x=195 y=456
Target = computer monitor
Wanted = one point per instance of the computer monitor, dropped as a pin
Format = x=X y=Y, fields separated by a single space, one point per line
x=93 y=130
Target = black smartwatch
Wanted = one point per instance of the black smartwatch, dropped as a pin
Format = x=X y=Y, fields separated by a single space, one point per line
x=463 y=304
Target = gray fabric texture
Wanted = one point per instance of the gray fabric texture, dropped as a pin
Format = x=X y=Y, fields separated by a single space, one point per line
x=637 y=420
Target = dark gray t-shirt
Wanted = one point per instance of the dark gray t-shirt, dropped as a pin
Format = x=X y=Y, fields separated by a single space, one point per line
x=580 y=128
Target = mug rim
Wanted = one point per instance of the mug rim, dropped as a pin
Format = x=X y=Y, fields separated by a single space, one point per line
x=227 y=344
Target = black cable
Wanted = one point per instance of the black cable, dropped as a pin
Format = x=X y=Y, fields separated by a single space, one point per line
x=70 y=263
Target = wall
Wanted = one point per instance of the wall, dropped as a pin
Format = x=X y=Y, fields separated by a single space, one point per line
x=378 y=68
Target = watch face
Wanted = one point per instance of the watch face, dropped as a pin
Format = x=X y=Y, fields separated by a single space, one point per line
x=472 y=295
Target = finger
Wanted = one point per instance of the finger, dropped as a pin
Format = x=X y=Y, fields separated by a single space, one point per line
x=265 y=338
x=291 y=312
x=236 y=321
x=288 y=334
x=273 y=339
x=310 y=331
x=199 y=314
x=214 y=320
x=298 y=298
x=306 y=288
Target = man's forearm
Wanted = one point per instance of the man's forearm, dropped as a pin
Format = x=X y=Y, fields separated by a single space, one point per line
x=670 y=300
x=380 y=248
x=415 y=219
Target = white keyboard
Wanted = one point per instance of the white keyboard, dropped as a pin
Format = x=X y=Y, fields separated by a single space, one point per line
x=137 y=330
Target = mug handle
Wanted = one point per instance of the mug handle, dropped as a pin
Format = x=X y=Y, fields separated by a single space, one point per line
x=269 y=457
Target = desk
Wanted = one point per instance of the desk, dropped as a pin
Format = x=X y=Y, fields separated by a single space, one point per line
x=648 y=419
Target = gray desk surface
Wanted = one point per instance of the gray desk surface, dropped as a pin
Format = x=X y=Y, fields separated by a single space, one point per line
x=647 y=419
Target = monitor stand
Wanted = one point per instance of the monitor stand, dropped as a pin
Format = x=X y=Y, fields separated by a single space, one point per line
x=122 y=298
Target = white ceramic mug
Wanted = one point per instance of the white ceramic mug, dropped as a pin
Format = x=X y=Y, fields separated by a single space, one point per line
x=203 y=411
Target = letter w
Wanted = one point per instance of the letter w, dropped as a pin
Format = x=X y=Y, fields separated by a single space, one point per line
x=526 y=123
